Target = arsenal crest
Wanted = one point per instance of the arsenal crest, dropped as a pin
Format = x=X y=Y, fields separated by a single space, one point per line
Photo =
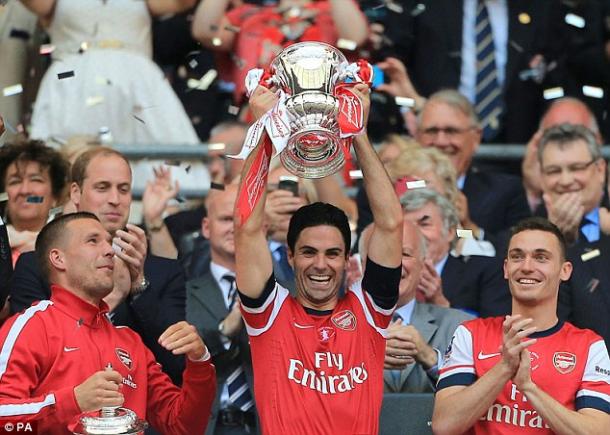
x=325 y=333
x=124 y=357
x=345 y=320
x=564 y=362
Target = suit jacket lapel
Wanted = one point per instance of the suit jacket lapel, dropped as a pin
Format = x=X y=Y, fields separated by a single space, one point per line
x=207 y=293
x=423 y=321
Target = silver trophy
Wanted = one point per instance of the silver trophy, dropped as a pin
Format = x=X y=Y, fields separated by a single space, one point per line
x=308 y=73
x=111 y=421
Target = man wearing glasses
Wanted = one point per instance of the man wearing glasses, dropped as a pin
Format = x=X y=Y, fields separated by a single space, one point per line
x=490 y=202
x=573 y=174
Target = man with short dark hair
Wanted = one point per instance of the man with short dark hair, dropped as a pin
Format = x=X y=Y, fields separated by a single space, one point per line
x=318 y=358
x=149 y=291
x=63 y=357
x=528 y=372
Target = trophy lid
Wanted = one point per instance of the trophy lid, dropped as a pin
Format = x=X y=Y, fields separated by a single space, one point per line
x=111 y=421
x=307 y=66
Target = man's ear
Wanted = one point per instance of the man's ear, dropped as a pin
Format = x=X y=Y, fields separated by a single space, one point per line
x=57 y=259
x=566 y=271
x=205 y=227
x=75 y=193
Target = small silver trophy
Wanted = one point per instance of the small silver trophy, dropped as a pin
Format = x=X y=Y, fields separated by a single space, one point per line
x=111 y=421
x=308 y=72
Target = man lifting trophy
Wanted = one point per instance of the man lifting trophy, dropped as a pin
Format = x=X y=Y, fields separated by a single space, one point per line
x=317 y=357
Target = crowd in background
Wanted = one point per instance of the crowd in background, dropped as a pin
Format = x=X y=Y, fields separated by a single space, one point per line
x=79 y=76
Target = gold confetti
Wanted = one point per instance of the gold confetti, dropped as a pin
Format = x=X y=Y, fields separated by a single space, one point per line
x=12 y=90
x=233 y=110
x=590 y=255
x=524 y=18
x=216 y=42
x=464 y=234
x=3 y=196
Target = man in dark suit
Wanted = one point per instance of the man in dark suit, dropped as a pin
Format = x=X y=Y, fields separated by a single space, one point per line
x=211 y=306
x=491 y=202
x=473 y=283
x=149 y=292
x=584 y=300
x=573 y=175
x=442 y=36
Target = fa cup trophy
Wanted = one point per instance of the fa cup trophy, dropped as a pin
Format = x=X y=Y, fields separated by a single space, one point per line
x=110 y=420
x=311 y=125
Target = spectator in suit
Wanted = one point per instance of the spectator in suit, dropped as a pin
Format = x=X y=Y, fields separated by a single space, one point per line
x=472 y=283
x=420 y=333
x=491 y=202
x=564 y=110
x=452 y=37
x=212 y=306
x=584 y=300
x=573 y=181
x=149 y=291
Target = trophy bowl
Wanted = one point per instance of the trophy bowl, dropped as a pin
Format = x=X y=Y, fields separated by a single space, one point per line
x=110 y=421
x=308 y=72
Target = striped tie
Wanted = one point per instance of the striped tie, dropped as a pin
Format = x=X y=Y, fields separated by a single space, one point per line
x=237 y=383
x=488 y=92
x=239 y=393
x=232 y=290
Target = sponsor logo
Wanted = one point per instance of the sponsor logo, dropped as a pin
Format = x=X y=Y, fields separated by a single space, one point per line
x=297 y=325
x=602 y=370
x=129 y=382
x=70 y=349
x=488 y=355
x=345 y=320
x=449 y=348
x=325 y=333
x=514 y=415
x=564 y=362
x=319 y=380
x=124 y=357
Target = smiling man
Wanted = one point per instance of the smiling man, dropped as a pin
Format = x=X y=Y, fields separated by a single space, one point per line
x=573 y=180
x=527 y=373
x=62 y=357
x=318 y=358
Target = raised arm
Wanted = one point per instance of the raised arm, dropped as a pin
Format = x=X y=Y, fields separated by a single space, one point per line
x=253 y=263
x=210 y=22
x=385 y=246
x=349 y=20
x=42 y=8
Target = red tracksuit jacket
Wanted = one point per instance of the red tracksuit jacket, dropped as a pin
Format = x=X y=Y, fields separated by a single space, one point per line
x=55 y=345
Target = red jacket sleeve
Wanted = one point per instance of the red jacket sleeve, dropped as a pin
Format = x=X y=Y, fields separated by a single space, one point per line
x=183 y=410
x=23 y=355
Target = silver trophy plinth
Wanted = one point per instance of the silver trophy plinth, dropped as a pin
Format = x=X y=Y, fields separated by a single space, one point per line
x=110 y=421
x=308 y=73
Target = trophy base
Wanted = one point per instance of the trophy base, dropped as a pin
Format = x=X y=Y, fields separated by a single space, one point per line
x=313 y=153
